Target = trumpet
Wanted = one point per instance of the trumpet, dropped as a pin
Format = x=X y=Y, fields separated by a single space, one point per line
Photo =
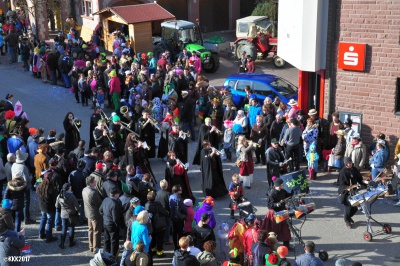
x=219 y=132
x=216 y=151
x=128 y=129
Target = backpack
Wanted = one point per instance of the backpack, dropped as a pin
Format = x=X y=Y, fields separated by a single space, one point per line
x=66 y=64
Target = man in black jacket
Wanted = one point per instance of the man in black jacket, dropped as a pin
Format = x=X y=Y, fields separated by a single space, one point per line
x=111 y=210
x=111 y=183
x=260 y=248
x=78 y=182
x=182 y=256
x=275 y=159
x=163 y=197
x=186 y=111
x=52 y=63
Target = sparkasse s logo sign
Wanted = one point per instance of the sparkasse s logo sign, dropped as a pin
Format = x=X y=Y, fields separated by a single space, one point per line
x=352 y=56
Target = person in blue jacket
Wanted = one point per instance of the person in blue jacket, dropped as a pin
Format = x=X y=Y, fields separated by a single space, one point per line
x=379 y=158
x=255 y=110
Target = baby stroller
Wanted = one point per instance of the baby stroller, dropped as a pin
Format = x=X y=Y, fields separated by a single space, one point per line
x=103 y=259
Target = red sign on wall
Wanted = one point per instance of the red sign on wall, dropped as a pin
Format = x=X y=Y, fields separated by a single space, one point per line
x=352 y=56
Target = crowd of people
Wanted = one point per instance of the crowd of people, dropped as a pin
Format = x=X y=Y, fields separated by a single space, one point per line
x=108 y=183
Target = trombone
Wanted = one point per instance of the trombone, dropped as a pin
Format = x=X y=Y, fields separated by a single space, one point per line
x=219 y=132
x=77 y=124
x=216 y=151
x=128 y=129
x=153 y=122
x=108 y=135
x=187 y=134
x=105 y=117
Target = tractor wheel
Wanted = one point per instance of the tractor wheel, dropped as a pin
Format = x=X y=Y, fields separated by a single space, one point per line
x=323 y=255
x=213 y=66
x=279 y=62
x=158 y=50
x=247 y=48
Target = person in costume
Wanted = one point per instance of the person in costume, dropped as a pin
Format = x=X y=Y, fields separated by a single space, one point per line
x=260 y=134
x=312 y=159
x=216 y=113
x=178 y=143
x=213 y=183
x=72 y=135
x=101 y=138
x=176 y=173
x=276 y=203
x=147 y=133
x=275 y=160
x=117 y=131
x=236 y=193
x=229 y=140
x=163 y=143
x=208 y=133
x=245 y=151
x=94 y=118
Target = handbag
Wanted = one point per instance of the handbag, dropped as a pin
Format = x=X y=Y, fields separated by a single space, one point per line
x=178 y=215
x=73 y=219
x=331 y=160
x=159 y=223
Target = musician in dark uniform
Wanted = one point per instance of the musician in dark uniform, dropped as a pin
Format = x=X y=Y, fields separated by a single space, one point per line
x=176 y=174
x=72 y=135
x=348 y=176
x=100 y=136
x=260 y=134
x=276 y=202
x=147 y=133
x=177 y=142
x=206 y=132
x=275 y=161
x=94 y=118
x=126 y=117
x=118 y=133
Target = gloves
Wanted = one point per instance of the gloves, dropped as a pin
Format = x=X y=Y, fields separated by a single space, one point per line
x=277 y=204
x=280 y=164
x=372 y=166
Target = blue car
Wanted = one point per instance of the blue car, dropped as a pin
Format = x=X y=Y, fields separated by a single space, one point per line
x=262 y=85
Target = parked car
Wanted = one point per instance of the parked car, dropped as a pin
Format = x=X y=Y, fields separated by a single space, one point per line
x=262 y=85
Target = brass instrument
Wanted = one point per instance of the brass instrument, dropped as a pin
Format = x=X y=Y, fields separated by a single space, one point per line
x=216 y=151
x=106 y=119
x=219 y=132
x=187 y=134
x=124 y=109
x=77 y=123
x=147 y=147
x=255 y=144
x=154 y=123
x=109 y=135
x=128 y=129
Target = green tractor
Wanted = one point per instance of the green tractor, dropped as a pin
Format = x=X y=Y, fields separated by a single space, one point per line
x=177 y=34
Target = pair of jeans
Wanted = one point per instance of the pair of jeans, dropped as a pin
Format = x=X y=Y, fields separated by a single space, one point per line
x=67 y=80
x=13 y=54
x=58 y=218
x=65 y=226
x=53 y=75
x=46 y=225
x=27 y=204
x=189 y=126
x=18 y=216
x=293 y=151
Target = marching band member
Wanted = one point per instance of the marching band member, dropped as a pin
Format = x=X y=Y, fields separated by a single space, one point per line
x=163 y=144
x=213 y=183
x=177 y=142
x=245 y=149
x=217 y=113
x=100 y=136
x=94 y=118
x=147 y=133
x=118 y=136
x=259 y=134
x=72 y=135
x=176 y=173
x=206 y=132
x=275 y=160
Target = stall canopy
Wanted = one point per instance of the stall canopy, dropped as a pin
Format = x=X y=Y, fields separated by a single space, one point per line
x=139 y=13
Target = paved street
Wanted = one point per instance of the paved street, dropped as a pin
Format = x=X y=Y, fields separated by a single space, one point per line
x=46 y=107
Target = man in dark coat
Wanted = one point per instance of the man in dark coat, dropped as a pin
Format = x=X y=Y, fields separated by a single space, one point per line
x=177 y=142
x=348 y=176
x=163 y=197
x=260 y=248
x=8 y=104
x=90 y=157
x=182 y=256
x=111 y=183
x=147 y=133
x=94 y=118
x=275 y=159
x=259 y=134
x=213 y=183
x=78 y=182
x=52 y=63
x=276 y=127
x=206 y=132
x=186 y=113
x=111 y=210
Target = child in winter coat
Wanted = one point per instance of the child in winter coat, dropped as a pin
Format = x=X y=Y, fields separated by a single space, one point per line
x=236 y=193
x=190 y=216
x=312 y=158
x=100 y=97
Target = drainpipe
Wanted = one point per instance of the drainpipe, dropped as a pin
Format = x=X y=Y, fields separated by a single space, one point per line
x=332 y=40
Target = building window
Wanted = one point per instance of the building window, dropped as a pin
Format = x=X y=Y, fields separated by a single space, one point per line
x=87 y=8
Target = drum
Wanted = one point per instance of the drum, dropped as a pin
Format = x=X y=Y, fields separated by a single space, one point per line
x=300 y=211
x=310 y=207
x=381 y=190
x=291 y=212
x=370 y=196
x=356 y=200
x=281 y=216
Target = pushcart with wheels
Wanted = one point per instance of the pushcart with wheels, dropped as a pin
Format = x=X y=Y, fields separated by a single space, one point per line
x=366 y=206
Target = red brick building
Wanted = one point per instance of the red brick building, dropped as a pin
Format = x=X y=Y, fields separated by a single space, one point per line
x=375 y=91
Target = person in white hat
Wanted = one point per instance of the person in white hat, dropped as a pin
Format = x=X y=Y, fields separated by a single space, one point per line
x=339 y=150
x=357 y=151
x=294 y=109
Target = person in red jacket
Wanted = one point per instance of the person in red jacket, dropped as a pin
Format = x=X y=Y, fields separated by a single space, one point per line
x=250 y=65
x=115 y=89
